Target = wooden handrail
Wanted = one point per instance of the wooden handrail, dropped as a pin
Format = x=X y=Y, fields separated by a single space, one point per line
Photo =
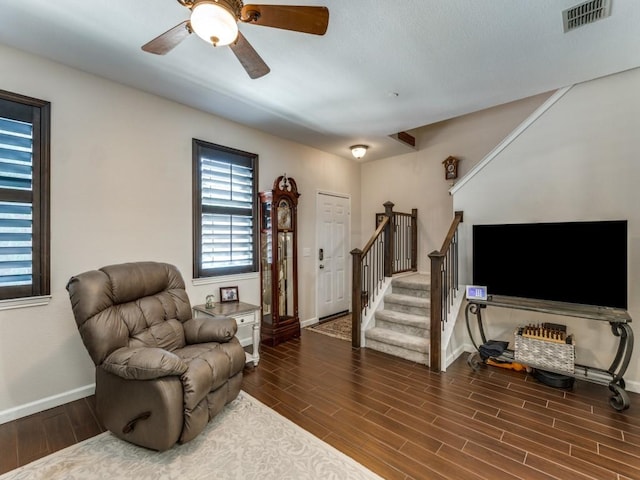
x=375 y=235
x=357 y=293
x=457 y=220
x=444 y=281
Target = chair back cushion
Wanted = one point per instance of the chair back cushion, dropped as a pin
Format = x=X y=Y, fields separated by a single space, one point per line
x=129 y=305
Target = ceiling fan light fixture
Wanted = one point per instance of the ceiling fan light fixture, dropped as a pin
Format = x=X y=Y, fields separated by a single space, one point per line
x=359 y=151
x=214 y=22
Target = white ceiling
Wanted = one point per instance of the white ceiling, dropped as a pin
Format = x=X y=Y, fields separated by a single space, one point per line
x=382 y=67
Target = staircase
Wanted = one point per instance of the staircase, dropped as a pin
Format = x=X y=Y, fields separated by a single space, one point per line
x=402 y=327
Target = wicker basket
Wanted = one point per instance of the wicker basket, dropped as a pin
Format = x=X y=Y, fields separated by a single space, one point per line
x=544 y=354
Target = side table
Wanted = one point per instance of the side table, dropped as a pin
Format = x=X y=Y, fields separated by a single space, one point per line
x=245 y=315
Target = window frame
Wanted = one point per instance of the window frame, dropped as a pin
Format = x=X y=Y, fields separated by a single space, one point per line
x=198 y=148
x=38 y=197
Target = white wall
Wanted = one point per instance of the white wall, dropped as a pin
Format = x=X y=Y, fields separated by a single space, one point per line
x=578 y=162
x=416 y=179
x=121 y=191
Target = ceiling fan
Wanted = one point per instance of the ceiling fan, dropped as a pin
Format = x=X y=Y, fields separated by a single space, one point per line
x=216 y=22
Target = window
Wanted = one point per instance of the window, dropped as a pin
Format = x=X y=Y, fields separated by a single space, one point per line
x=24 y=196
x=225 y=213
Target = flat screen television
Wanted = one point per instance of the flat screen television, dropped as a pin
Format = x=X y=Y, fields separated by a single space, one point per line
x=575 y=262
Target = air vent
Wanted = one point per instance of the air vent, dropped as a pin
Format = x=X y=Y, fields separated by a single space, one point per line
x=585 y=13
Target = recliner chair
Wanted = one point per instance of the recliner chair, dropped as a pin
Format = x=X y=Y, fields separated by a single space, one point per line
x=161 y=375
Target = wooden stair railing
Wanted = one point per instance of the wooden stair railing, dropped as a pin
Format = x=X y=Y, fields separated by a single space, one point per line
x=444 y=284
x=391 y=249
x=405 y=242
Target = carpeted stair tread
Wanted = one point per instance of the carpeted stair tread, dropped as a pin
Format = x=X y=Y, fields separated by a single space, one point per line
x=411 y=355
x=410 y=342
x=403 y=318
x=407 y=300
x=402 y=325
x=416 y=282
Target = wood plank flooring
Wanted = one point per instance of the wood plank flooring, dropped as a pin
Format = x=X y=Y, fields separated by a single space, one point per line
x=27 y=439
x=404 y=422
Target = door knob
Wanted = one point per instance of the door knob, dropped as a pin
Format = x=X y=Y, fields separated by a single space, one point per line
x=321 y=266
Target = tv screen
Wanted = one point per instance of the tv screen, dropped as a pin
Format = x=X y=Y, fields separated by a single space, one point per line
x=575 y=262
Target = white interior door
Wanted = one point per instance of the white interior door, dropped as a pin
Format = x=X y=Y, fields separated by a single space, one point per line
x=332 y=254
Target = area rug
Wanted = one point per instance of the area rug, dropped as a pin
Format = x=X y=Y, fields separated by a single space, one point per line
x=247 y=440
x=338 y=328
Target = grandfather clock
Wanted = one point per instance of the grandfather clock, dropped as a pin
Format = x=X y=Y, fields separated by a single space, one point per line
x=279 y=262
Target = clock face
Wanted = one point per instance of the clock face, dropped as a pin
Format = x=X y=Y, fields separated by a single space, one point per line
x=284 y=215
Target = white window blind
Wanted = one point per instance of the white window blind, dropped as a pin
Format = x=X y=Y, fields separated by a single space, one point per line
x=227 y=205
x=16 y=218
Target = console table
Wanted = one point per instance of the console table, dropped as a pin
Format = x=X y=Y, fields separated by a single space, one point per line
x=618 y=320
x=245 y=315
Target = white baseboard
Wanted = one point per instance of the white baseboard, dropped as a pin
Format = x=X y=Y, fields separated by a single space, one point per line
x=309 y=322
x=453 y=356
x=632 y=386
x=46 y=403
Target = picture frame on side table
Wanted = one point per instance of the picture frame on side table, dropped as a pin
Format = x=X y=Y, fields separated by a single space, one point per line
x=229 y=294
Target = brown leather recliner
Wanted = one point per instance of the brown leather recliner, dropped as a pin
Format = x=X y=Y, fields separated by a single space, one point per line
x=161 y=375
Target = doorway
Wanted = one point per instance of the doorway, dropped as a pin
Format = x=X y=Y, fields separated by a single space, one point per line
x=333 y=213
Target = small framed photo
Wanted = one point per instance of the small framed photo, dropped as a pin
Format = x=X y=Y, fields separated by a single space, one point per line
x=229 y=294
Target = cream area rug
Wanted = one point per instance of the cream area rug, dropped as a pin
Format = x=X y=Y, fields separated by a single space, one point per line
x=247 y=440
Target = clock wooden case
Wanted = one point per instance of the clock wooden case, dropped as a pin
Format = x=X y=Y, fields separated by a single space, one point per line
x=450 y=168
x=279 y=262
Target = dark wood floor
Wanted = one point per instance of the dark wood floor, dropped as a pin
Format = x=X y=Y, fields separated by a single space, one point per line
x=404 y=422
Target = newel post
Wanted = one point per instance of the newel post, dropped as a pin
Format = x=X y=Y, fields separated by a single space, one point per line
x=389 y=239
x=435 y=333
x=356 y=296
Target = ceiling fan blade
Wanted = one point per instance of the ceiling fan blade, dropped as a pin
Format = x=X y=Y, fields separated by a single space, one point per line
x=168 y=40
x=299 y=19
x=249 y=58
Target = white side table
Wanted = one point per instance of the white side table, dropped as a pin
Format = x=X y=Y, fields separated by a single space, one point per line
x=245 y=315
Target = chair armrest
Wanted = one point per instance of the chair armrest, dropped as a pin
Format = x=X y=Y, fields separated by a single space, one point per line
x=204 y=329
x=143 y=363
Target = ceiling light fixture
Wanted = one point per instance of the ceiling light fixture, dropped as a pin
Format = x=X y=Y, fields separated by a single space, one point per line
x=214 y=22
x=359 y=151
